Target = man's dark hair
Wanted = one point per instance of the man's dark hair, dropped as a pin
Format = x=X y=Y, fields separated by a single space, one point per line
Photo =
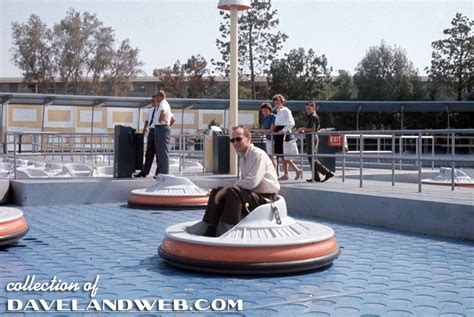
x=266 y=105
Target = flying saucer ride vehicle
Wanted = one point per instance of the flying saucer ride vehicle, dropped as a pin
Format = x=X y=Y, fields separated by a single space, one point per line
x=169 y=191
x=267 y=241
x=13 y=225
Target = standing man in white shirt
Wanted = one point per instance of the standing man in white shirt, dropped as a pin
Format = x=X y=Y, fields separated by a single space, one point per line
x=258 y=182
x=162 y=134
x=150 y=143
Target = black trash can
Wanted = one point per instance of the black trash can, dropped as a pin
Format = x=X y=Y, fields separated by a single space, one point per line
x=128 y=151
x=139 y=150
x=259 y=141
x=324 y=148
x=220 y=154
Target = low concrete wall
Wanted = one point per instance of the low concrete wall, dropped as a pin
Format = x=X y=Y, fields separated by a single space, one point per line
x=403 y=213
x=74 y=191
x=419 y=216
x=89 y=191
x=4 y=191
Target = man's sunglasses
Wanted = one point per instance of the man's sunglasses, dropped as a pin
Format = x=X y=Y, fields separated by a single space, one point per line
x=238 y=139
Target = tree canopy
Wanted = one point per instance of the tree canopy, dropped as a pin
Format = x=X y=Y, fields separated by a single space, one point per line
x=186 y=80
x=452 y=64
x=258 y=44
x=386 y=73
x=79 y=51
x=300 y=75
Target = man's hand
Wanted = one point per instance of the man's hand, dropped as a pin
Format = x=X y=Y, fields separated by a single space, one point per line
x=219 y=195
x=301 y=130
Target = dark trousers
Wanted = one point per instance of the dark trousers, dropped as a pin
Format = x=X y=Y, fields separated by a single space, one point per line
x=150 y=152
x=312 y=149
x=231 y=208
x=162 y=141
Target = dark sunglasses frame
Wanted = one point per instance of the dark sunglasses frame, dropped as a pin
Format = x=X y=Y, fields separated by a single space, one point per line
x=238 y=139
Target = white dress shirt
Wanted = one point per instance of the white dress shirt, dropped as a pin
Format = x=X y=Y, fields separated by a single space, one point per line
x=257 y=172
x=285 y=118
x=164 y=106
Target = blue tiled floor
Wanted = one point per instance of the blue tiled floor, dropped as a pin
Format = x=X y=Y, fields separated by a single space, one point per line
x=379 y=272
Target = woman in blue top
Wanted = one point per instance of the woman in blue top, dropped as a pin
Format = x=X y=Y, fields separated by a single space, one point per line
x=268 y=125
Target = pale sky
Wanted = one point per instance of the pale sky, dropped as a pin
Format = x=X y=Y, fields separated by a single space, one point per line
x=166 y=30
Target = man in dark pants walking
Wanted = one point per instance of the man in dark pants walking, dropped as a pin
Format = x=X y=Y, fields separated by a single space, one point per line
x=313 y=125
x=150 y=143
x=258 y=183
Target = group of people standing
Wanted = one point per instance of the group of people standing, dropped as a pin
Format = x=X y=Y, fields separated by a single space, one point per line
x=160 y=119
x=258 y=182
x=281 y=121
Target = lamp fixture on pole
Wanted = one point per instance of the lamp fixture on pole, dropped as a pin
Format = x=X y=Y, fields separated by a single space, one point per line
x=234 y=6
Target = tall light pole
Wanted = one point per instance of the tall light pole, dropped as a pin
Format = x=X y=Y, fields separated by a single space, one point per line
x=234 y=6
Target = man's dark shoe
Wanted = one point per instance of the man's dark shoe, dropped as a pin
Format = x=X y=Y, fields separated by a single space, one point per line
x=328 y=176
x=210 y=232
x=313 y=180
x=155 y=176
x=139 y=174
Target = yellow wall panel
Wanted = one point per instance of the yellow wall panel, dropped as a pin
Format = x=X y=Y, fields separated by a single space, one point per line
x=11 y=122
x=122 y=117
x=59 y=115
x=102 y=124
x=208 y=117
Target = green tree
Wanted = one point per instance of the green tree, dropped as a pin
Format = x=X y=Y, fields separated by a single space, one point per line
x=195 y=69
x=452 y=63
x=32 y=52
x=186 y=80
x=300 y=75
x=79 y=50
x=172 y=78
x=75 y=43
x=124 y=67
x=386 y=73
x=259 y=42
x=342 y=86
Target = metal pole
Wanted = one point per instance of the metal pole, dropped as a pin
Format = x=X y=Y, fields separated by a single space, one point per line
x=419 y=161
x=400 y=151
x=453 y=154
x=14 y=156
x=225 y=119
x=402 y=117
x=233 y=115
x=312 y=145
x=92 y=127
x=181 y=155
x=4 y=150
x=357 y=117
x=447 y=111
x=361 y=177
x=393 y=159
x=432 y=151
x=343 y=158
x=42 y=127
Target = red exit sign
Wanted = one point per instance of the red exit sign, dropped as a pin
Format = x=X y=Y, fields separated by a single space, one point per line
x=335 y=140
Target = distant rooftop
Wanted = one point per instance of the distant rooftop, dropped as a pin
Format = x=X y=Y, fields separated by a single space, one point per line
x=222 y=104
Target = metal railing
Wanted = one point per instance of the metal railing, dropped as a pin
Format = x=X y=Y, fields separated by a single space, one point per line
x=395 y=139
x=394 y=148
x=84 y=147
